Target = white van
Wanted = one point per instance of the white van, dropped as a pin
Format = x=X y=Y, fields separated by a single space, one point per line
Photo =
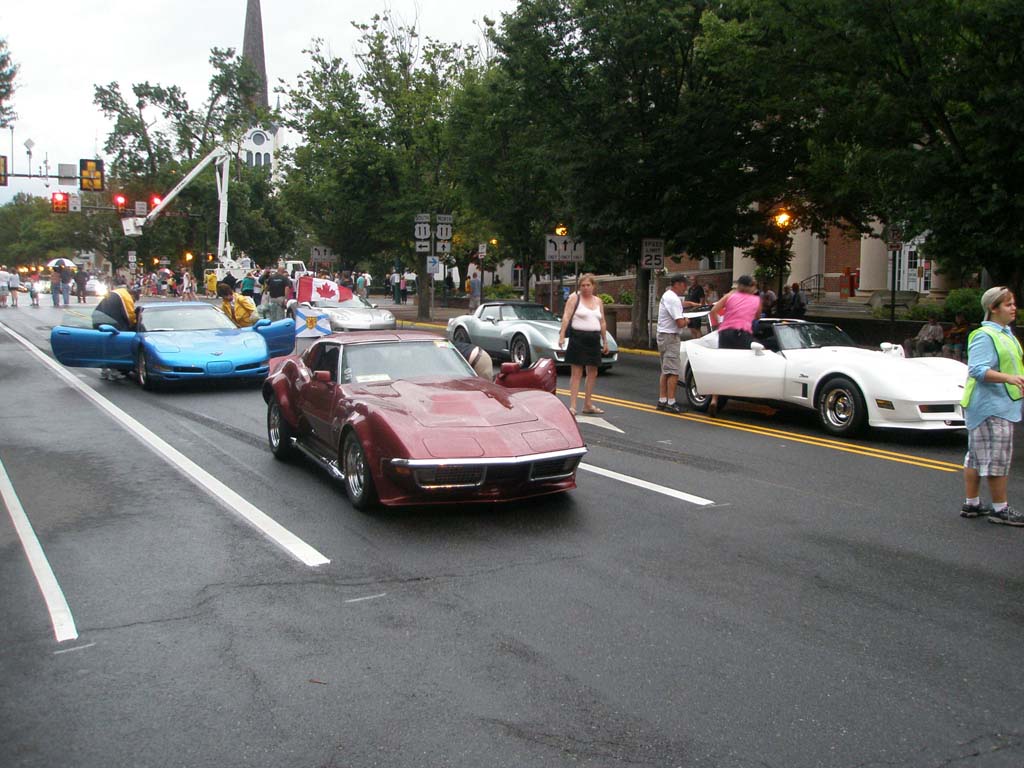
x=296 y=268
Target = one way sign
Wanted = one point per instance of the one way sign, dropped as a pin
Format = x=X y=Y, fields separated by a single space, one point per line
x=564 y=248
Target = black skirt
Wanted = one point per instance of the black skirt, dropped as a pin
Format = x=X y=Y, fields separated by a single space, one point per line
x=584 y=348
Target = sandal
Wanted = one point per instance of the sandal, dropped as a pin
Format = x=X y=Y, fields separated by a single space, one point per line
x=572 y=411
x=593 y=410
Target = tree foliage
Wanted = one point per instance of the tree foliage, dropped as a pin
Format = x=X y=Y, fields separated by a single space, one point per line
x=8 y=73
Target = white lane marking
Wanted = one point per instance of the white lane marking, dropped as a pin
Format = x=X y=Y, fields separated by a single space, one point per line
x=368 y=597
x=597 y=421
x=269 y=527
x=60 y=614
x=648 y=486
x=76 y=648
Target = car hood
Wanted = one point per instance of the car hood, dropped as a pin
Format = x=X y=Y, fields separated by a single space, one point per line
x=202 y=342
x=358 y=313
x=464 y=403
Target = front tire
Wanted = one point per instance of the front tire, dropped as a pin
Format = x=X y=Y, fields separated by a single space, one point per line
x=461 y=335
x=279 y=432
x=698 y=402
x=358 y=478
x=841 y=408
x=519 y=351
x=142 y=372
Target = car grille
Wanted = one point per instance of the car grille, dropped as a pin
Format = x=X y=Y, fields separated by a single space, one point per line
x=250 y=366
x=479 y=475
x=186 y=369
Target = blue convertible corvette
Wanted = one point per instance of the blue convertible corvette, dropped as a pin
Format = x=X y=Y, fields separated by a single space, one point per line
x=180 y=341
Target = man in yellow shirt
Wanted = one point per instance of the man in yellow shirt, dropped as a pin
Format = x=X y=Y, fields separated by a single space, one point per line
x=240 y=309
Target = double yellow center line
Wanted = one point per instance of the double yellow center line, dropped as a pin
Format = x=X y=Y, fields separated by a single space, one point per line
x=818 y=442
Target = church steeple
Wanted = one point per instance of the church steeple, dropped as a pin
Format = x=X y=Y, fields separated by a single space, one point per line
x=252 y=50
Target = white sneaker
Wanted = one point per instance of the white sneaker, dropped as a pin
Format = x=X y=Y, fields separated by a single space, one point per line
x=105 y=374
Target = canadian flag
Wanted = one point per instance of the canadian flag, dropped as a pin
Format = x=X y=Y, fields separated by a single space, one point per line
x=315 y=289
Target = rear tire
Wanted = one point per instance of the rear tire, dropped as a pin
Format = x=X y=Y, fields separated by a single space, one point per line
x=841 y=408
x=279 y=432
x=519 y=351
x=358 y=477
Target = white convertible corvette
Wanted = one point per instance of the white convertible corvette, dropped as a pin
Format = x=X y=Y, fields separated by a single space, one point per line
x=817 y=366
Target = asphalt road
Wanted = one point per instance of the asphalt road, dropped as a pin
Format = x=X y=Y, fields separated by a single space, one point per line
x=827 y=608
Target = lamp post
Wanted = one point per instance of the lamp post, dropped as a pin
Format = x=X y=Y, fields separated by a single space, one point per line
x=782 y=221
x=895 y=241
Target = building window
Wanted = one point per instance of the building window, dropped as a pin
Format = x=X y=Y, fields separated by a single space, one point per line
x=259 y=159
x=517 y=276
x=248 y=158
x=258 y=138
x=266 y=159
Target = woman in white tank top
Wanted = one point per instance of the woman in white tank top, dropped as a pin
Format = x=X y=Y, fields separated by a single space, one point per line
x=588 y=340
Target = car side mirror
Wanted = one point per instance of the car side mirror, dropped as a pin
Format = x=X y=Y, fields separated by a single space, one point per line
x=758 y=347
x=108 y=328
x=261 y=323
x=322 y=376
x=374 y=306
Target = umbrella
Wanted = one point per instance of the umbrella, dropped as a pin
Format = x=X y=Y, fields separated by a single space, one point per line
x=61 y=263
x=164 y=271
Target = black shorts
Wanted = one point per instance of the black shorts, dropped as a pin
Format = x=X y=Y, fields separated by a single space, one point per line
x=734 y=338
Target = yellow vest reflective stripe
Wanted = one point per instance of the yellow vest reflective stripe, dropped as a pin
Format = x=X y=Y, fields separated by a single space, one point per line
x=1009 y=351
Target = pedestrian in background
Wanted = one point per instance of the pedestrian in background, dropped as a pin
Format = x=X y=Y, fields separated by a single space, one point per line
x=739 y=309
x=670 y=322
x=694 y=300
x=55 y=279
x=14 y=286
x=278 y=287
x=797 y=302
x=65 y=285
x=992 y=405
x=474 y=290
x=81 y=279
x=5 y=286
x=583 y=323
x=403 y=288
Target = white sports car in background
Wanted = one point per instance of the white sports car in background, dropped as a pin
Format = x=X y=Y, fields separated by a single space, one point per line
x=351 y=314
x=817 y=366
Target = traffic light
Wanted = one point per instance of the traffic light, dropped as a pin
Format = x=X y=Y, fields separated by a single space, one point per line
x=59 y=202
x=154 y=201
x=120 y=201
x=90 y=175
x=3 y=170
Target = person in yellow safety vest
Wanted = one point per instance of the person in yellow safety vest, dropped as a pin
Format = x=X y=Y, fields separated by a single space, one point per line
x=992 y=404
x=241 y=310
x=211 y=283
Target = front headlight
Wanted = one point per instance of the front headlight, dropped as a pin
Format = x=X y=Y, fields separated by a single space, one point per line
x=101 y=290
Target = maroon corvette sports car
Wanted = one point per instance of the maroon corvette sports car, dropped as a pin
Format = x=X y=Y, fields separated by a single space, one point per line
x=401 y=418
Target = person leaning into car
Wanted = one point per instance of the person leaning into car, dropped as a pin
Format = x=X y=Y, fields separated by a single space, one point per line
x=992 y=404
x=117 y=308
x=241 y=310
x=739 y=309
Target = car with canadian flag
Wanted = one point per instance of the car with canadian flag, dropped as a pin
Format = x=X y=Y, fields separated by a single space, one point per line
x=345 y=310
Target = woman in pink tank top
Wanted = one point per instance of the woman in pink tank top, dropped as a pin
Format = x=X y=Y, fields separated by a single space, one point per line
x=739 y=308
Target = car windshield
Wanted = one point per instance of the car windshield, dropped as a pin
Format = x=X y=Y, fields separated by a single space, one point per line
x=200 y=317
x=391 y=361
x=527 y=312
x=355 y=302
x=811 y=336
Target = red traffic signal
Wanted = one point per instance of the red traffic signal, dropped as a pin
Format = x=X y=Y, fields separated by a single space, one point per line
x=59 y=202
x=120 y=201
x=154 y=201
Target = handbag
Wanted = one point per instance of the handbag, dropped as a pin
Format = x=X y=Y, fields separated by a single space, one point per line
x=568 y=330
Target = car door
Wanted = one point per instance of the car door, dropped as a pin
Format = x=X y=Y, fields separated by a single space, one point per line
x=280 y=337
x=92 y=348
x=737 y=372
x=488 y=325
x=317 y=397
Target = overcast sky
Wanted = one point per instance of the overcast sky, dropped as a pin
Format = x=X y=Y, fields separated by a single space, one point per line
x=66 y=47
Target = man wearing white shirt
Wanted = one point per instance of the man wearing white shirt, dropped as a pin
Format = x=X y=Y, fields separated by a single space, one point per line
x=670 y=322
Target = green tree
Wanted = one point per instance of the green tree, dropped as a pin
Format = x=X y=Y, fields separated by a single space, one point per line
x=909 y=113
x=8 y=72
